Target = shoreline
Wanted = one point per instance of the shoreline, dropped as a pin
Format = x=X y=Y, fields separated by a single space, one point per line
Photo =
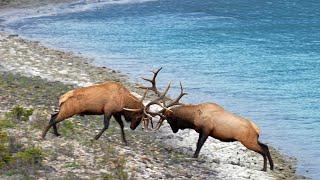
x=30 y=58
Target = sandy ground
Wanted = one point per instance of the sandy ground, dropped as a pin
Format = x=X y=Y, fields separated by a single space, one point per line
x=226 y=160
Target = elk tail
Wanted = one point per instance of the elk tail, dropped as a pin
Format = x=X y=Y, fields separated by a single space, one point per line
x=256 y=128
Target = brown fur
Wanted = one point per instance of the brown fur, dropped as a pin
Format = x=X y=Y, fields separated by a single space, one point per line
x=210 y=119
x=107 y=98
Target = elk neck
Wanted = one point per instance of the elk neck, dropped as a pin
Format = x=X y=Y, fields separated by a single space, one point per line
x=181 y=117
x=132 y=102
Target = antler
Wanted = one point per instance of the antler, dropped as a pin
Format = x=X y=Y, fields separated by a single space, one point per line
x=158 y=102
x=165 y=107
x=172 y=103
x=141 y=101
x=176 y=101
x=153 y=82
x=146 y=117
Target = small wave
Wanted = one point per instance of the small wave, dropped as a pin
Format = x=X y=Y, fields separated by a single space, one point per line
x=12 y=15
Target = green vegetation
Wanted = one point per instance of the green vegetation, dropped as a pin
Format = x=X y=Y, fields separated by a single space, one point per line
x=19 y=113
x=120 y=168
x=67 y=128
x=73 y=165
x=30 y=91
x=32 y=156
x=118 y=162
x=108 y=177
x=118 y=171
x=14 y=159
x=6 y=123
x=5 y=156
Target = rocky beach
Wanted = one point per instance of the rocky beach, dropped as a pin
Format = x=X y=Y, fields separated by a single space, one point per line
x=33 y=76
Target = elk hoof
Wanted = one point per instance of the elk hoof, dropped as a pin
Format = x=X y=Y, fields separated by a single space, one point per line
x=96 y=138
x=264 y=169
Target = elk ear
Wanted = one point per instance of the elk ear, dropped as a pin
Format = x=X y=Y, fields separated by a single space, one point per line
x=132 y=110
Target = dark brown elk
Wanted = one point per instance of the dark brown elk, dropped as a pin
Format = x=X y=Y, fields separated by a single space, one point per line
x=209 y=119
x=108 y=99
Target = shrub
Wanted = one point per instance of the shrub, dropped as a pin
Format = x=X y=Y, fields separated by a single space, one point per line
x=19 y=113
x=31 y=156
x=120 y=168
x=67 y=128
x=6 y=123
x=16 y=160
x=5 y=156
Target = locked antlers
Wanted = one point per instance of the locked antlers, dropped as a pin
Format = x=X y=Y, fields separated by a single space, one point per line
x=165 y=107
x=160 y=101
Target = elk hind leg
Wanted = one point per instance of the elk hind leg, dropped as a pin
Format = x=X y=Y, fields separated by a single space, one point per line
x=52 y=123
x=267 y=152
x=255 y=146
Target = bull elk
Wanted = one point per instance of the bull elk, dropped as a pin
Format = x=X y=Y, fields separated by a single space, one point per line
x=108 y=99
x=208 y=119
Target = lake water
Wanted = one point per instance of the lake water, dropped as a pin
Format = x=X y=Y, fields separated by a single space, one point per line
x=259 y=59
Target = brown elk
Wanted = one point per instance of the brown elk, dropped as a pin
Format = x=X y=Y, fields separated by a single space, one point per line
x=209 y=119
x=108 y=99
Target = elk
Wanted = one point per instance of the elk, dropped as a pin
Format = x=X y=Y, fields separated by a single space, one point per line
x=208 y=119
x=108 y=99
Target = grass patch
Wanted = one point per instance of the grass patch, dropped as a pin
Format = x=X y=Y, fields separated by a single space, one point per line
x=31 y=155
x=14 y=159
x=6 y=123
x=67 y=128
x=109 y=177
x=5 y=156
x=19 y=113
x=72 y=165
x=30 y=90
x=120 y=168
x=117 y=162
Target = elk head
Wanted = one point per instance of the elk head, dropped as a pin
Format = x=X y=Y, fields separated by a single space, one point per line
x=166 y=113
x=135 y=116
x=160 y=101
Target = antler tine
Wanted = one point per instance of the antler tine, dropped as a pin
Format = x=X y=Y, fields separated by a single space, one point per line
x=164 y=107
x=144 y=95
x=163 y=95
x=176 y=101
x=159 y=124
x=150 y=114
x=156 y=73
x=157 y=101
x=153 y=82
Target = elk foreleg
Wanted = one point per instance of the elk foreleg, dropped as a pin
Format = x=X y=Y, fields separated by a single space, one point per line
x=202 y=139
x=106 y=121
x=119 y=120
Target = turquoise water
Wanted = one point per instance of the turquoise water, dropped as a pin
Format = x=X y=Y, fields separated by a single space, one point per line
x=259 y=59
